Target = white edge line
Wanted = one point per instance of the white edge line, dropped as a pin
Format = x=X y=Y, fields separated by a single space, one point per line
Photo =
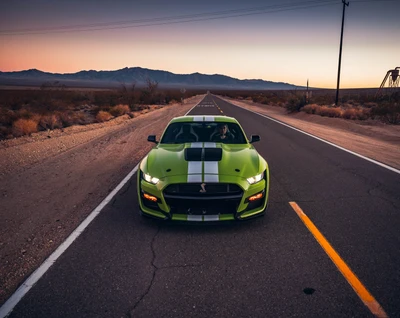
x=194 y=107
x=22 y=290
x=323 y=140
x=9 y=305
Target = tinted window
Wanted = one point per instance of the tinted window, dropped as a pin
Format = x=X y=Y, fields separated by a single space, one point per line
x=229 y=133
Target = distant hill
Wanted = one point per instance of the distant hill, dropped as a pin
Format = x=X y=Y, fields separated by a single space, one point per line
x=139 y=76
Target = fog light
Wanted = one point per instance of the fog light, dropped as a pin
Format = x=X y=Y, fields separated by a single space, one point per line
x=150 y=197
x=258 y=196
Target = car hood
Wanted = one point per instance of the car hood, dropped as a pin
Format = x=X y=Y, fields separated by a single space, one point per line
x=221 y=159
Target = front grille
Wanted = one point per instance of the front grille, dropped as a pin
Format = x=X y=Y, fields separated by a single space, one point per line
x=203 y=207
x=196 y=189
x=218 y=198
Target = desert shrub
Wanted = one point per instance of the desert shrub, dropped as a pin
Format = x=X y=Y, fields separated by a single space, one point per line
x=7 y=117
x=67 y=119
x=356 y=113
x=388 y=112
x=50 y=122
x=328 y=111
x=350 y=113
x=103 y=116
x=24 y=113
x=370 y=105
x=119 y=110
x=24 y=127
x=295 y=104
x=352 y=102
x=310 y=109
x=4 y=132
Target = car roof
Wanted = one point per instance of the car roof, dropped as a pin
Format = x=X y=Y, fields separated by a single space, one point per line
x=203 y=118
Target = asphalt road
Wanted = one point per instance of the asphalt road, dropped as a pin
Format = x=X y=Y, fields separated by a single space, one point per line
x=125 y=265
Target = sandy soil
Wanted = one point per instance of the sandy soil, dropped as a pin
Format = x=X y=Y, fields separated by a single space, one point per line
x=39 y=174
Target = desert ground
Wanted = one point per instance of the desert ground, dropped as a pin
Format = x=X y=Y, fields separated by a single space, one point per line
x=50 y=181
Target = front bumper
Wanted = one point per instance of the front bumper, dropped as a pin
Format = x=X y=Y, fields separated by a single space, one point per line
x=203 y=207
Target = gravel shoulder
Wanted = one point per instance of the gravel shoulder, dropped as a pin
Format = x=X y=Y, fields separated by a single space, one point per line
x=51 y=181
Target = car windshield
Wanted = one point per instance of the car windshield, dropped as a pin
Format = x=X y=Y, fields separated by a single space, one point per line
x=229 y=133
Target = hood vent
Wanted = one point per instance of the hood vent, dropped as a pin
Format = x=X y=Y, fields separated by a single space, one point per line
x=203 y=154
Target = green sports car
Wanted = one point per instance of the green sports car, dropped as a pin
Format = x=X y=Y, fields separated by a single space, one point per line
x=203 y=169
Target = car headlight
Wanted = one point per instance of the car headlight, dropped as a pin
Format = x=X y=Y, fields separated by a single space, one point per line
x=149 y=178
x=256 y=178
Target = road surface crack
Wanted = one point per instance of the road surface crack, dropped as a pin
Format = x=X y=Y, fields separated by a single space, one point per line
x=155 y=269
x=372 y=194
x=180 y=266
x=124 y=190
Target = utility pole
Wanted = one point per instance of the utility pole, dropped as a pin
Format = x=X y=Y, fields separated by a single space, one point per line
x=340 y=52
x=307 y=93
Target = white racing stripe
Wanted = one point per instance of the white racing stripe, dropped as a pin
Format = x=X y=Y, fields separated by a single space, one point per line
x=194 y=171
x=195 y=168
x=210 y=145
x=194 y=178
x=209 y=118
x=211 y=218
x=211 y=167
x=198 y=118
x=211 y=178
x=196 y=218
x=196 y=145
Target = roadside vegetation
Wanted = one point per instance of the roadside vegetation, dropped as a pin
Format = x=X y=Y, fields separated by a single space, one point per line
x=27 y=111
x=354 y=104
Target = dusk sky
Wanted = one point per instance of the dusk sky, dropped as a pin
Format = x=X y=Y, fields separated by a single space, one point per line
x=282 y=41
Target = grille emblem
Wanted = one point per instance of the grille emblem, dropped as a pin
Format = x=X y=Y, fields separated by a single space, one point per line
x=203 y=188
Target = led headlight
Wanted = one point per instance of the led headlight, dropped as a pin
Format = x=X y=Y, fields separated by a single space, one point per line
x=256 y=178
x=149 y=178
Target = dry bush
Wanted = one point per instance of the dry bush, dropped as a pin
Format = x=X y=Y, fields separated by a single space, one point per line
x=329 y=111
x=4 y=132
x=388 y=112
x=50 y=122
x=295 y=103
x=353 y=102
x=119 y=110
x=370 y=105
x=7 y=117
x=350 y=113
x=354 y=113
x=24 y=127
x=310 y=109
x=24 y=113
x=103 y=116
x=67 y=119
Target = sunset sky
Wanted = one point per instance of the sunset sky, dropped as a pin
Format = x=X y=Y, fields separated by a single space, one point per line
x=277 y=40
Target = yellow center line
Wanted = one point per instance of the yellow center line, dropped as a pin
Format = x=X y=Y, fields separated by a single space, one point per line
x=351 y=278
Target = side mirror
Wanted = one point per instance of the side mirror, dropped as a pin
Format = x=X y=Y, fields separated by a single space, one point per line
x=254 y=138
x=152 y=138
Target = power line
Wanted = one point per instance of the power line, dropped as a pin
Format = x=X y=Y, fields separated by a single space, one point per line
x=172 y=20
x=167 y=18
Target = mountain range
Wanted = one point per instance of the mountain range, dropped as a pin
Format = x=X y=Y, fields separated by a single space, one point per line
x=139 y=76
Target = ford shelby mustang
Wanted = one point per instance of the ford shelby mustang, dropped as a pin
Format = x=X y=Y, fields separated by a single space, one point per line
x=203 y=169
